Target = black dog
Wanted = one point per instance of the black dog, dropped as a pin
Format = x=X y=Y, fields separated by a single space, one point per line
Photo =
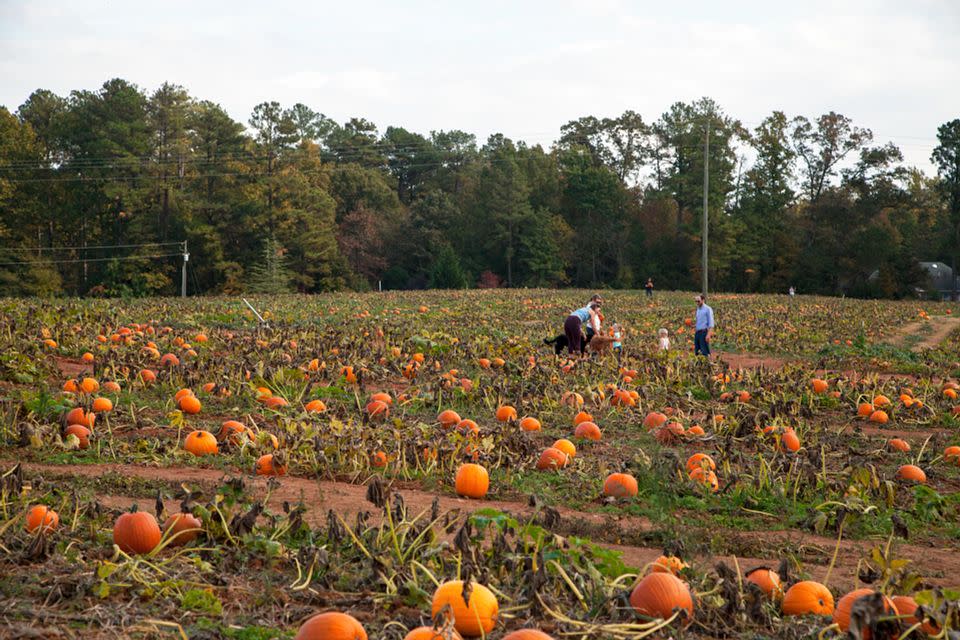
x=561 y=344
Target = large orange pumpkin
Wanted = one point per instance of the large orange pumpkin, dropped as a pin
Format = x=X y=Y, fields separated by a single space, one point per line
x=530 y=424
x=898 y=444
x=653 y=420
x=583 y=416
x=566 y=446
x=808 y=597
x=474 y=618
x=952 y=454
x=588 y=431
x=552 y=459
x=865 y=409
x=449 y=419
x=841 y=614
x=102 y=405
x=658 y=594
x=620 y=485
x=81 y=432
x=506 y=413
x=136 y=532
x=907 y=606
x=332 y=625
x=912 y=473
x=201 y=443
x=472 y=481
x=265 y=466
x=698 y=460
x=189 y=404
x=79 y=416
x=819 y=386
x=527 y=634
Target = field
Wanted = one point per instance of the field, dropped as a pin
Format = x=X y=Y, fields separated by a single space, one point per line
x=361 y=509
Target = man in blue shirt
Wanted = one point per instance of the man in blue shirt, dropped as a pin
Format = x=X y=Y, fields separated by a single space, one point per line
x=704 y=328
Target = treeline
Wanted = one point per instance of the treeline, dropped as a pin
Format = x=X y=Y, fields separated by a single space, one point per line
x=293 y=200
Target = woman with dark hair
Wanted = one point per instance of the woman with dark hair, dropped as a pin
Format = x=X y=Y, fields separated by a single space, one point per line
x=573 y=326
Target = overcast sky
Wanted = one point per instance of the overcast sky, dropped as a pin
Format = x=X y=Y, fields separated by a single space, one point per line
x=522 y=68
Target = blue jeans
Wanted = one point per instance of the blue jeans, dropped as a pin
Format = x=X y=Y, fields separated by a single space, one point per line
x=700 y=344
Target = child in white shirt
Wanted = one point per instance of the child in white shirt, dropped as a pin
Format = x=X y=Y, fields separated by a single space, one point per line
x=664 y=340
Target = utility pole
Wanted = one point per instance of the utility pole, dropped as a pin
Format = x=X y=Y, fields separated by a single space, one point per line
x=183 y=271
x=706 y=217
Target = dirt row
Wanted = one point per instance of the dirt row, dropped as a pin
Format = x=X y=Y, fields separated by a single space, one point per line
x=939 y=565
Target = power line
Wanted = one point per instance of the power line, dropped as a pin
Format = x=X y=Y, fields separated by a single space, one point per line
x=102 y=246
x=78 y=260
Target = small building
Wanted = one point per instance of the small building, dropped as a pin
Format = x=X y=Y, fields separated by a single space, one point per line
x=940 y=281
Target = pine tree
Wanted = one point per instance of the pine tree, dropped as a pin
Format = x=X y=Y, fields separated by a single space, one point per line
x=271 y=274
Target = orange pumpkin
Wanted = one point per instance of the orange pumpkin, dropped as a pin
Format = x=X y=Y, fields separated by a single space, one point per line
x=907 y=606
x=881 y=401
x=474 y=618
x=912 y=473
x=898 y=445
x=530 y=424
x=182 y=528
x=383 y=397
x=807 y=597
x=653 y=420
x=42 y=518
x=620 y=485
x=448 y=419
x=315 y=406
x=552 y=459
x=705 y=477
x=146 y=375
x=790 y=441
x=189 y=404
x=89 y=385
x=582 y=416
x=768 y=581
x=879 y=416
x=468 y=427
x=865 y=409
x=79 y=416
x=378 y=409
x=819 y=386
x=472 y=481
x=81 y=432
x=952 y=454
x=698 y=460
x=102 y=405
x=841 y=614
x=658 y=594
x=201 y=443
x=136 y=532
x=265 y=466
x=566 y=446
x=588 y=431
x=169 y=360
x=506 y=413
x=332 y=625
x=379 y=459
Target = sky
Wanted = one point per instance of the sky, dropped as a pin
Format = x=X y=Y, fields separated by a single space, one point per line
x=518 y=67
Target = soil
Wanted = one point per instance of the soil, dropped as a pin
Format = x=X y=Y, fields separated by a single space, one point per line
x=72 y=367
x=939 y=565
x=943 y=326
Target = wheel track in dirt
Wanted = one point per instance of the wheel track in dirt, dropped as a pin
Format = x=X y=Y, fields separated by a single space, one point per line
x=939 y=565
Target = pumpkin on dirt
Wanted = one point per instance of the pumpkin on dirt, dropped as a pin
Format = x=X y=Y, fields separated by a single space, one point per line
x=81 y=432
x=952 y=454
x=182 y=528
x=552 y=459
x=315 y=406
x=705 y=477
x=588 y=431
x=189 y=404
x=379 y=459
x=698 y=460
x=911 y=473
x=506 y=413
x=768 y=581
x=474 y=618
x=136 y=532
x=907 y=606
x=620 y=485
x=201 y=443
x=582 y=416
x=267 y=466
x=448 y=419
x=653 y=420
x=865 y=409
x=332 y=625
x=79 y=416
x=42 y=518
x=897 y=444
x=102 y=405
x=659 y=593
x=879 y=416
x=566 y=446
x=472 y=481
x=790 y=441
x=378 y=409
x=841 y=614
x=807 y=598
x=530 y=424
x=819 y=385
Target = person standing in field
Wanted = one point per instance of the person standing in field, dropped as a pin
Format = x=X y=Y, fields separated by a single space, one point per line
x=704 y=327
x=649 y=287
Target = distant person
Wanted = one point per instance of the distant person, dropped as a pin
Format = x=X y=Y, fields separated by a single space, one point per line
x=593 y=329
x=649 y=287
x=664 y=340
x=793 y=292
x=617 y=340
x=704 y=327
